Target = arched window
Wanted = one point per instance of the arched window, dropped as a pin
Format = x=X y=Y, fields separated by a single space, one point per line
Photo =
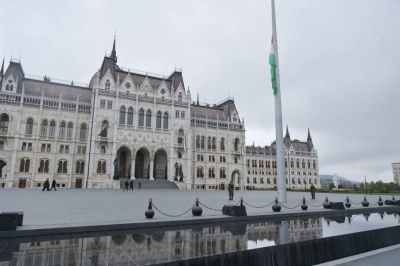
x=69 y=130
x=80 y=167
x=254 y=180
x=101 y=167
x=122 y=111
x=214 y=143
x=313 y=164
x=297 y=163
x=285 y=163
x=52 y=128
x=203 y=139
x=211 y=173
x=141 y=118
x=10 y=85
x=180 y=96
x=62 y=167
x=44 y=166
x=222 y=146
x=197 y=142
x=4 y=120
x=291 y=163
x=309 y=164
x=130 y=116
x=158 y=120
x=24 y=165
x=43 y=128
x=165 y=120
x=303 y=164
x=181 y=135
x=209 y=143
x=61 y=133
x=200 y=172
x=83 y=132
x=222 y=173
x=148 y=118
x=237 y=144
x=104 y=129
x=29 y=126
x=107 y=85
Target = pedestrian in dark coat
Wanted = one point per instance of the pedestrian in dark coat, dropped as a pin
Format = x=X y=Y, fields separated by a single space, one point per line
x=46 y=185
x=140 y=185
x=126 y=185
x=131 y=185
x=313 y=190
x=231 y=188
x=53 y=185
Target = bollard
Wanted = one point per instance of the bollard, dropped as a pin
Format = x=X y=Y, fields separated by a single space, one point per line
x=365 y=202
x=149 y=213
x=197 y=210
x=327 y=204
x=347 y=203
x=276 y=207
x=366 y=216
x=380 y=202
x=241 y=202
x=304 y=206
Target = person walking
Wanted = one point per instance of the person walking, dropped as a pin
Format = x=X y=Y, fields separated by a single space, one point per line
x=231 y=188
x=126 y=185
x=312 y=190
x=140 y=185
x=53 y=185
x=131 y=185
x=46 y=185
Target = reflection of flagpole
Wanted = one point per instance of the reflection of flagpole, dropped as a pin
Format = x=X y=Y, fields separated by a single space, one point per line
x=281 y=179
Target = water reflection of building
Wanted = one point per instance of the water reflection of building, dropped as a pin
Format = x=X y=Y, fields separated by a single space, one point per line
x=158 y=246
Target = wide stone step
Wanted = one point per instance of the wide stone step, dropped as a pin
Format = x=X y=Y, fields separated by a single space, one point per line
x=151 y=184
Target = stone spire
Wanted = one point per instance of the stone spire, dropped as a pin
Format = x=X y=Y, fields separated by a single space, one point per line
x=309 y=141
x=198 y=99
x=2 y=69
x=114 y=52
x=287 y=135
x=286 y=139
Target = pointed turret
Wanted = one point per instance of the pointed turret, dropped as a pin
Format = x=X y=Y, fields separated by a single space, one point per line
x=114 y=52
x=286 y=140
x=2 y=69
x=287 y=135
x=309 y=141
x=198 y=99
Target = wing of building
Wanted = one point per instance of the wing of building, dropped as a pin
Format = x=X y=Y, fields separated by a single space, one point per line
x=124 y=125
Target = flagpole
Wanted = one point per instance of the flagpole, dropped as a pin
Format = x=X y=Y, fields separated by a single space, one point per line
x=281 y=180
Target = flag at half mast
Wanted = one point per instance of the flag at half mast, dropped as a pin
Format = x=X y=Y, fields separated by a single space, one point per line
x=272 y=62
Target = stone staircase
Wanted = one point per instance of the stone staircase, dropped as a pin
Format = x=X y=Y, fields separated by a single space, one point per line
x=151 y=184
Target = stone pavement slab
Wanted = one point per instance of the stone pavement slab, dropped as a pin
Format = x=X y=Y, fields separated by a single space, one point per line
x=74 y=207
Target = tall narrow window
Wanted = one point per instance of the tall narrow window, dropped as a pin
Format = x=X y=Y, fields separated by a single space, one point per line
x=104 y=129
x=130 y=116
x=61 y=133
x=180 y=96
x=107 y=85
x=4 y=120
x=181 y=135
x=52 y=128
x=214 y=145
x=148 y=118
x=43 y=128
x=29 y=126
x=80 y=167
x=69 y=130
x=237 y=144
x=24 y=165
x=209 y=143
x=83 y=132
x=158 y=120
x=222 y=144
x=203 y=139
x=62 y=167
x=197 y=142
x=122 y=111
x=141 y=118
x=101 y=167
x=165 y=120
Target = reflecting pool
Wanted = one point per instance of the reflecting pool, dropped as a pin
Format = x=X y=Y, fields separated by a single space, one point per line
x=144 y=247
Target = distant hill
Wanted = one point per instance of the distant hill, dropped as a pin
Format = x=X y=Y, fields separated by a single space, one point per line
x=326 y=179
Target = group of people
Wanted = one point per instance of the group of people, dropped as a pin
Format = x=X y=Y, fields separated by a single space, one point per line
x=46 y=185
x=129 y=185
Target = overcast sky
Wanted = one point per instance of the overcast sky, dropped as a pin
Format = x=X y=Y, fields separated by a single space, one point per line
x=339 y=62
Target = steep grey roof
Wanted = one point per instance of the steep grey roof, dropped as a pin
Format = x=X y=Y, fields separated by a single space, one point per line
x=208 y=112
x=138 y=79
x=257 y=150
x=53 y=89
x=15 y=70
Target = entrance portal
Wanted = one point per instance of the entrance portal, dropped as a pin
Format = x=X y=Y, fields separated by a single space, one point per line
x=142 y=164
x=235 y=178
x=124 y=163
x=160 y=165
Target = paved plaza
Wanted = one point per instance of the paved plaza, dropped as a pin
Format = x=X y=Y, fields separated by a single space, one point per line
x=65 y=207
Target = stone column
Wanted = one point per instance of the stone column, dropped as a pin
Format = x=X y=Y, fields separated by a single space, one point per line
x=133 y=167
x=151 y=169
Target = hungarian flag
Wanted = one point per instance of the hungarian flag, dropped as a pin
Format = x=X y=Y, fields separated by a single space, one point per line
x=272 y=62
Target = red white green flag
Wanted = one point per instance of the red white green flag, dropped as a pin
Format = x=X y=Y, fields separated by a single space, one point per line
x=272 y=62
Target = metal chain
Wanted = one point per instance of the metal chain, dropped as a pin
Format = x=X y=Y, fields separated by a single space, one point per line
x=315 y=206
x=291 y=208
x=355 y=203
x=172 y=215
x=210 y=208
x=259 y=207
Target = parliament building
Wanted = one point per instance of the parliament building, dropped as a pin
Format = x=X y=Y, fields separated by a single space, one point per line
x=132 y=125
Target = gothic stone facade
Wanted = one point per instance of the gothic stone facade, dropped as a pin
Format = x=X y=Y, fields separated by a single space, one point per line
x=124 y=124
